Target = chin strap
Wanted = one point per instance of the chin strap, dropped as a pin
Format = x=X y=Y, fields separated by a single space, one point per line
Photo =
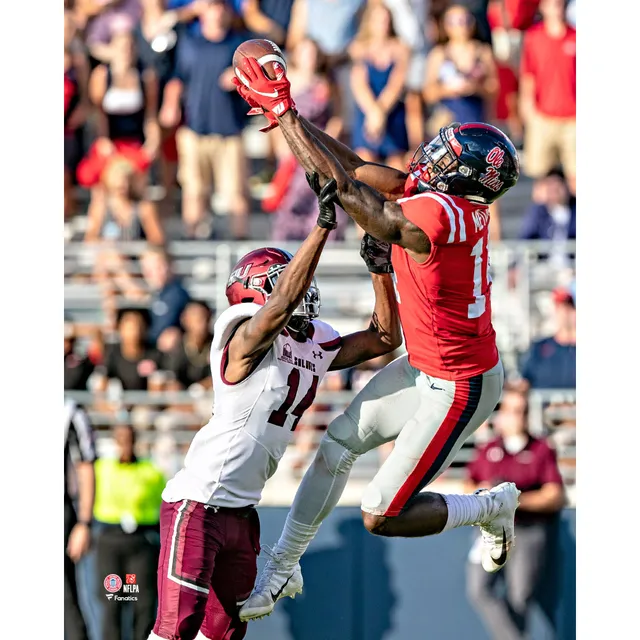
x=299 y=323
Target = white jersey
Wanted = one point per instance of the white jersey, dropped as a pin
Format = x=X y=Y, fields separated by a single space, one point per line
x=232 y=457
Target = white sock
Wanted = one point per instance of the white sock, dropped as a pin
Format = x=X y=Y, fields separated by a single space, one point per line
x=295 y=539
x=465 y=510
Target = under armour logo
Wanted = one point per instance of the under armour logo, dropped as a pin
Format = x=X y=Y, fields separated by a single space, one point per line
x=317 y=354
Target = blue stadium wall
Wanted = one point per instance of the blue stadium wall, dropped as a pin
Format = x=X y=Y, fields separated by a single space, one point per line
x=362 y=587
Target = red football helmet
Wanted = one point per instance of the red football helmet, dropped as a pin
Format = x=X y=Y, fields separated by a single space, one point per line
x=254 y=277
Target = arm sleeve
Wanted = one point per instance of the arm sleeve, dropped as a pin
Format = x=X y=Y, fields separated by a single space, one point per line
x=473 y=467
x=549 y=471
x=437 y=215
x=527 y=367
x=526 y=59
x=326 y=336
x=81 y=434
x=180 y=65
x=529 y=229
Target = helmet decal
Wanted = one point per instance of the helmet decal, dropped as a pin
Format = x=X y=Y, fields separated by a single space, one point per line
x=453 y=141
x=495 y=157
x=491 y=179
x=240 y=273
x=474 y=160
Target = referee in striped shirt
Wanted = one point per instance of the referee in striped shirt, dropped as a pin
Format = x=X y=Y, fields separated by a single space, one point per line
x=79 y=487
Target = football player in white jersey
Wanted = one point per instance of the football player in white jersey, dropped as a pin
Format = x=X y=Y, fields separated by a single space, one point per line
x=268 y=355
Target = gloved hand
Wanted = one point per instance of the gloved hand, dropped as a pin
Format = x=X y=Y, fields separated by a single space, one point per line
x=376 y=254
x=256 y=109
x=271 y=95
x=326 y=196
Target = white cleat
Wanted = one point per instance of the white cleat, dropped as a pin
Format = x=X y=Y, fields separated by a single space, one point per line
x=498 y=532
x=277 y=580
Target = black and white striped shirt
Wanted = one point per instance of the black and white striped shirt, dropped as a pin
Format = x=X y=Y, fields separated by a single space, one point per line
x=79 y=443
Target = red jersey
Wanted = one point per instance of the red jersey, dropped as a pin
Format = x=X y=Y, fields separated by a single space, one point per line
x=445 y=302
x=552 y=63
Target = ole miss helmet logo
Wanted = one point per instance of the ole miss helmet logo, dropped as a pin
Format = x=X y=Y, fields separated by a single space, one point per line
x=495 y=157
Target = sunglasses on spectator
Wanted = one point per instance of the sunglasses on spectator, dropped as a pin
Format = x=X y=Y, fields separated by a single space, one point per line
x=458 y=21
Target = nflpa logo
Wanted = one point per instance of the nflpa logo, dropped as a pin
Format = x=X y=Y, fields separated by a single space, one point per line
x=130 y=578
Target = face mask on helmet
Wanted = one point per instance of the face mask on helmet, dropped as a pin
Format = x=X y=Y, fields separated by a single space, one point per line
x=437 y=158
x=308 y=309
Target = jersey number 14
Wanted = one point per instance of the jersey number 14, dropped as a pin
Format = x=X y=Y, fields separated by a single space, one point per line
x=477 y=308
x=279 y=416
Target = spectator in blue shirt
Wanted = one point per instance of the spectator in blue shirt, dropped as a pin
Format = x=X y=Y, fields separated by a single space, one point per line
x=193 y=7
x=168 y=299
x=266 y=18
x=551 y=363
x=209 y=142
x=553 y=216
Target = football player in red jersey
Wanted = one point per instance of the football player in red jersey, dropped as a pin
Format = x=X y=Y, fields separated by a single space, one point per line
x=436 y=218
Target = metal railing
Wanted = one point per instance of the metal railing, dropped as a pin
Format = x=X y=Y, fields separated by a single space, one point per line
x=347 y=296
x=182 y=425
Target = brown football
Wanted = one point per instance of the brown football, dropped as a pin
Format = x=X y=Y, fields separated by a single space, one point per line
x=267 y=53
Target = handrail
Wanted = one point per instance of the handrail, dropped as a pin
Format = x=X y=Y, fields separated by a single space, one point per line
x=208 y=248
x=323 y=397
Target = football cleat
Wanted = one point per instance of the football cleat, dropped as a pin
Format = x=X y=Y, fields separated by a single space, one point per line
x=498 y=535
x=277 y=580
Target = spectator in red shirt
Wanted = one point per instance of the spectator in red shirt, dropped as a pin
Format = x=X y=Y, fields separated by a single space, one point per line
x=548 y=93
x=516 y=456
x=506 y=50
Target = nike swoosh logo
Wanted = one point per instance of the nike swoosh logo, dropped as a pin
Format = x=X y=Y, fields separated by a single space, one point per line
x=277 y=594
x=502 y=558
x=245 y=81
x=273 y=94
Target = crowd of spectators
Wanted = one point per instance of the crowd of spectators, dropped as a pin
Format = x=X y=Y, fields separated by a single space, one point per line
x=158 y=148
x=154 y=128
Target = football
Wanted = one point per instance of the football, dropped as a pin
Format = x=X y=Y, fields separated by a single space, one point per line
x=267 y=53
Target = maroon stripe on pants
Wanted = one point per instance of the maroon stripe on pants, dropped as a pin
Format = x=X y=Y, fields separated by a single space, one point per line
x=181 y=608
x=207 y=564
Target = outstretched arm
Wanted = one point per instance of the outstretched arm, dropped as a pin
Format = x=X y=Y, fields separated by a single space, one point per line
x=255 y=336
x=273 y=97
x=387 y=180
x=381 y=218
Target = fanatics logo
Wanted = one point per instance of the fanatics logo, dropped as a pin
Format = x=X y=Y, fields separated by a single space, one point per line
x=112 y=583
x=130 y=578
x=287 y=354
x=109 y=596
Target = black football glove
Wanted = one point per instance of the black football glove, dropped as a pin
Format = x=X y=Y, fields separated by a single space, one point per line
x=376 y=254
x=326 y=200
